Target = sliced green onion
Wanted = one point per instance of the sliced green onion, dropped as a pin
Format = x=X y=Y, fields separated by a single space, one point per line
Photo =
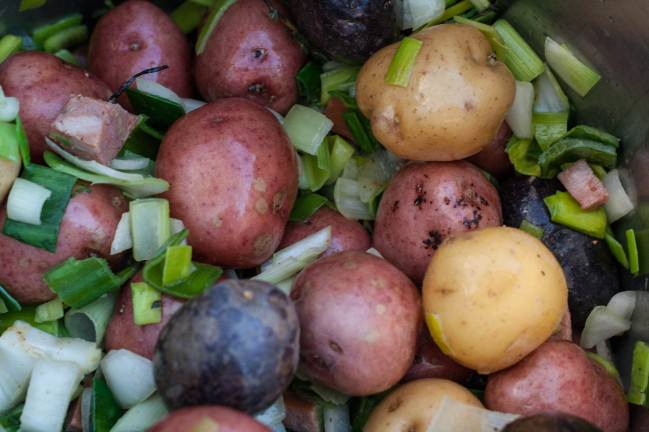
x=67 y=57
x=580 y=77
x=46 y=234
x=520 y=58
x=519 y=117
x=450 y=12
x=80 y=282
x=619 y=204
x=306 y=205
x=178 y=264
x=218 y=9
x=11 y=420
x=23 y=143
x=549 y=95
x=315 y=176
x=306 y=128
x=361 y=130
x=341 y=78
x=30 y=4
x=90 y=322
x=147 y=303
x=308 y=82
x=632 y=250
x=616 y=249
x=104 y=409
x=571 y=150
x=341 y=153
x=9 y=44
x=3 y=307
x=599 y=171
x=11 y=303
x=348 y=202
x=160 y=111
x=50 y=311
x=142 y=416
x=188 y=16
x=143 y=141
x=26 y=200
x=549 y=127
x=416 y=13
x=532 y=229
x=566 y=211
x=67 y=38
x=403 y=62
x=150 y=226
x=593 y=134
x=41 y=34
x=524 y=155
x=639 y=375
x=133 y=387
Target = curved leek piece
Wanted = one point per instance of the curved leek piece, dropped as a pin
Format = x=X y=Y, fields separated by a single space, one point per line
x=141 y=416
x=90 y=322
x=580 y=77
x=129 y=388
x=26 y=201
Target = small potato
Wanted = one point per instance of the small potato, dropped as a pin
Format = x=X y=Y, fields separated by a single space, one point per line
x=334 y=111
x=493 y=296
x=233 y=176
x=426 y=203
x=137 y=35
x=208 y=418
x=431 y=362
x=411 y=407
x=253 y=55
x=359 y=318
x=456 y=99
x=43 y=84
x=558 y=376
x=87 y=228
x=123 y=333
x=346 y=234
x=493 y=158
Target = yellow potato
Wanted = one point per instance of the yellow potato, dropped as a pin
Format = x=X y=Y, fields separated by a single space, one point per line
x=412 y=406
x=456 y=99
x=493 y=296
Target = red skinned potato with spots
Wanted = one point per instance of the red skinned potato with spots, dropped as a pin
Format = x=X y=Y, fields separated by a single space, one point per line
x=87 y=228
x=424 y=204
x=233 y=181
x=359 y=319
x=208 y=418
x=137 y=35
x=43 y=84
x=493 y=158
x=251 y=53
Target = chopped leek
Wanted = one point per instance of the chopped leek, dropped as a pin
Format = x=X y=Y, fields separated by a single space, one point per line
x=619 y=204
x=571 y=150
x=11 y=303
x=273 y=415
x=606 y=364
x=104 y=409
x=316 y=176
x=566 y=211
x=549 y=95
x=616 y=249
x=524 y=155
x=161 y=112
x=147 y=304
x=218 y=9
x=623 y=304
x=340 y=78
x=23 y=143
x=450 y=12
x=122 y=241
x=141 y=416
x=306 y=128
x=639 y=375
x=41 y=34
x=336 y=418
x=67 y=38
x=9 y=109
x=580 y=77
x=9 y=145
x=520 y=58
x=11 y=420
x=593 y=134
x=188 y=15
x=26 y=200
x=348 y=202
x=153 y=88
x=495 y=40
x=67 y=57
x=306 y=205
x=602 y=324
x=549 y=127
x=403 y=62
x=416 y=13
x=178 y=264
x=28 y=315
x=3 y=307
x=632 y=251
x=308 y=82
x=129 y=388
x=50 y=311
x=481 y=5
x=30 y=4
x=361 y=130
x=341 y=152
x=150 y=226
x=90 y=322
x=519 y=117
x=16 y=363
x=190 y=104
x=9 y=44
x=532 y=229
x=130 y=164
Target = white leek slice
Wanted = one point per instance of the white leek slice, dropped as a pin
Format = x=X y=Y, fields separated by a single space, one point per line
x=142 y=416
x=416 y=13
x=9 y=109
x=336 y=419
x=579 y=76
x=90 y=322
x=122 y=241
x=50 y=391
x=619 y=203
x=150 y=226
x=549 y=97
x=273 y=415
x=454 y=416
x=373 y=251
x=156 y=89
x=16 y=364
x=306 y=128
x=602 y=324
x=26 y=200
x=132 y=164
x=192 y=104
x=347 y=194
x=622 y=304
x=519 y=117
x=129 y=377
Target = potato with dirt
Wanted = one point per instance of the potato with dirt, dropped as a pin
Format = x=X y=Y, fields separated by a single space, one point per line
x=359 y=318
x=558 y=376
x=87 y=229
x=424 y=204
x=454 y=103
x=251 y=53
x=233 y=181
x=43 y=84
x=208 y=418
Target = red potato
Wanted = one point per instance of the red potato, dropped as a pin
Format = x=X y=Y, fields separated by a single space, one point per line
x=334 y=111
x=123 y=333
x=346 y=234
x=359 y=319
x=87 y=228
x=43 y=84
x=137 y=35
x=250 y=54
x=558 y=376
x=233 y=176
x=493 y=158
x=210 y=418
x=424 y=204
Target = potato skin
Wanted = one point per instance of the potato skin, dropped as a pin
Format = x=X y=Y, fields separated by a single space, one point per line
x=359 y=318
x=251 y=55
x=545 y=422
x=346 y=234
x=233 y=177
x=558 y=376
x=431 y=362
x=456 y=99
x=225 y=419
x=43 y=84
x=412 y=406
x=123 y=333
x=137 y=35
x=424 y=204
x=493 y=158
x=499 y=285
x=87 y=228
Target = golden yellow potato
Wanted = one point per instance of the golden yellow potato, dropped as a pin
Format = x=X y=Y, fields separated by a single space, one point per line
x=493 y=296
x=456 y=99
x=412 y=406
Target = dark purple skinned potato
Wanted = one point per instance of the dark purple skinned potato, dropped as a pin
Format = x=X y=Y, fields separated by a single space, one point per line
x=43 y=84
x=208 y=418
x=123 y=333
x=359 y=319
x=137 y=35
x=346 y=234
x=558 y=376
x=557 y=422
x=424 y=204
x=87 y=228
x=251 y=55
x=233 y=177
x=493 y=158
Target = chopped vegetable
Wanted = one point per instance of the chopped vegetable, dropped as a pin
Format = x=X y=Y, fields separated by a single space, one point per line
x=403 y=62
x=524 y=155
x=188 y=15
x=104 y=408
x=306 y=205
x=178 y=264
x=606 y=364
x=632 y=251
x=133 y=387
x=519 y=117
x=28 y=315
x=160 y=111
x=571 y=150
x=496 y=41
x=23 y=144
x=90 y=322
x=9 y=107
x=616 y=249
x=341 y=78
x=549 y=127
x=336 y=418
x=623 y=304
x=67 y=38
x=580 y=77
x=348 y=202
x=520 y=58
x=9 y=44
x=532 y=229
x=26 y=200
x=199 y=280
x=639 y=375
x=150 y=226
x=602 y=324
x=550 y=97
x=566 y=211
x=361 y=130
x=306 y=128
x=147 y=303
x=341 y=153
x=315 y=169
x=619 y=204
x=41 y=34
x=122 y=240
x=416 y=13
x=593 y=134
x=9 y=158
x=450 y=12
x=308 y=82
x=153 y=88
x=141 y=416
x=50 y=311
x=218 y=9
x=30 y=4
x=67 y=57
